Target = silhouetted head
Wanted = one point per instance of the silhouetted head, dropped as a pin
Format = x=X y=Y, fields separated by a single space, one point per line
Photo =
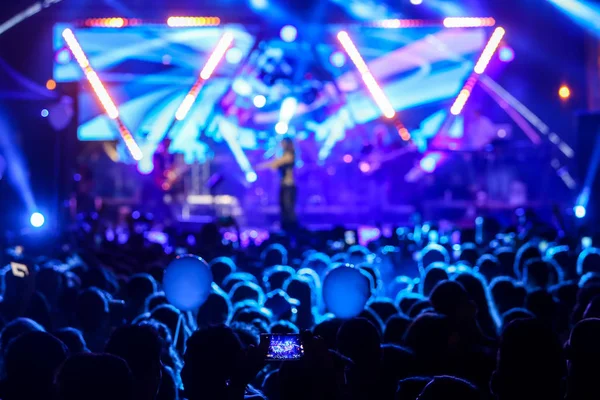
x=359 y=340
x=395 y=329
x=209 y=360
x=449 y=387
x=530 y=362
x=451 y=299
x=216 y=310
x=588 y=261
x=155 y=300
x=141 y=347
x=31 y=361
x=383 y=307
x=246 y=291
x=514 y=314
x=92 y=311
x=506 y=294
x=287 y=144
x=540 y=274
x=73 y=339
x=428 y=336
x=221 y=267
x=433 y=253
x=137 y=290
x=94 y=377
x=410 y=388
x=527 y=252
x=327 y=330
x=433 y=274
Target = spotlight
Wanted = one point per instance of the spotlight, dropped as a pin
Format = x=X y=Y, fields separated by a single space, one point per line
x=259 y=101
x=281 y=128
x=288 y=33
x=364 y=167
x=37 y=220
x=259 y=4
x=51 y=84
x=580 y=211
x=45 y=113
x=428 y=164
x=337 y=59
x=416 y=2
x=564 y=92
x=506 y=54
x=348 y=158
x=251 y=176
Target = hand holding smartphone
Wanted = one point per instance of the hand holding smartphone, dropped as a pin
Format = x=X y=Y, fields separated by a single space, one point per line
x=286 y=347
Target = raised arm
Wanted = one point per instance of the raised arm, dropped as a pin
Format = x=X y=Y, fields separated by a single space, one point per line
x=285 y=159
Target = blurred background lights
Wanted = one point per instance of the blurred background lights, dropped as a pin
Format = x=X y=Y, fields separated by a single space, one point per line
x=506 y=54
x=45 y=113
x=338 y=59
x=51 y=84
x=416 y=2
x=259 y=101
x=281 y=128
x=37 y=220
x=234 y=55
x=564 y=92
x=580 y=211
x=288 y=33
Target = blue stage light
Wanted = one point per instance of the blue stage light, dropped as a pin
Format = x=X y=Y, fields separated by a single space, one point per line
x=260 y=101
x=506 y=54
x=37 y=220
x=416 y=2
x=338 y=59
x=281 y=128
x=580 y=211
x=259 y=4
x=428 y=164
x=234 y=55
x=45 y=113
x=288 y=33
x=251 y=176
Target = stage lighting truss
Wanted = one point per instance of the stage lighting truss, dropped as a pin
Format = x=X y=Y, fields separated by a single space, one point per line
x=107 y=103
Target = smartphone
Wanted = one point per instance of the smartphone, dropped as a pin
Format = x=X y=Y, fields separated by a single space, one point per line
x=284 y=347
x=586 y=242
x=350 y=238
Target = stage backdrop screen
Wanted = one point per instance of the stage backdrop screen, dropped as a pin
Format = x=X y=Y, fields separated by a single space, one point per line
x=149 y=69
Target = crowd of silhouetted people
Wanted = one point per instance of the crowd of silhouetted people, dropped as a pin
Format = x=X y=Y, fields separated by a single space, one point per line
x=511 y=315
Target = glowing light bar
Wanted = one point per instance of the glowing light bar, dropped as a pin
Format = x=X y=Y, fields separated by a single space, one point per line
x=468 y=22
x=463 y=96
x=101 y=93
x=107 y=22
x=480 y=67
x=489 y=50
x=205 y=74
x=179 y=22
x=452 y=22
x=378 y=95
x=400 y=23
